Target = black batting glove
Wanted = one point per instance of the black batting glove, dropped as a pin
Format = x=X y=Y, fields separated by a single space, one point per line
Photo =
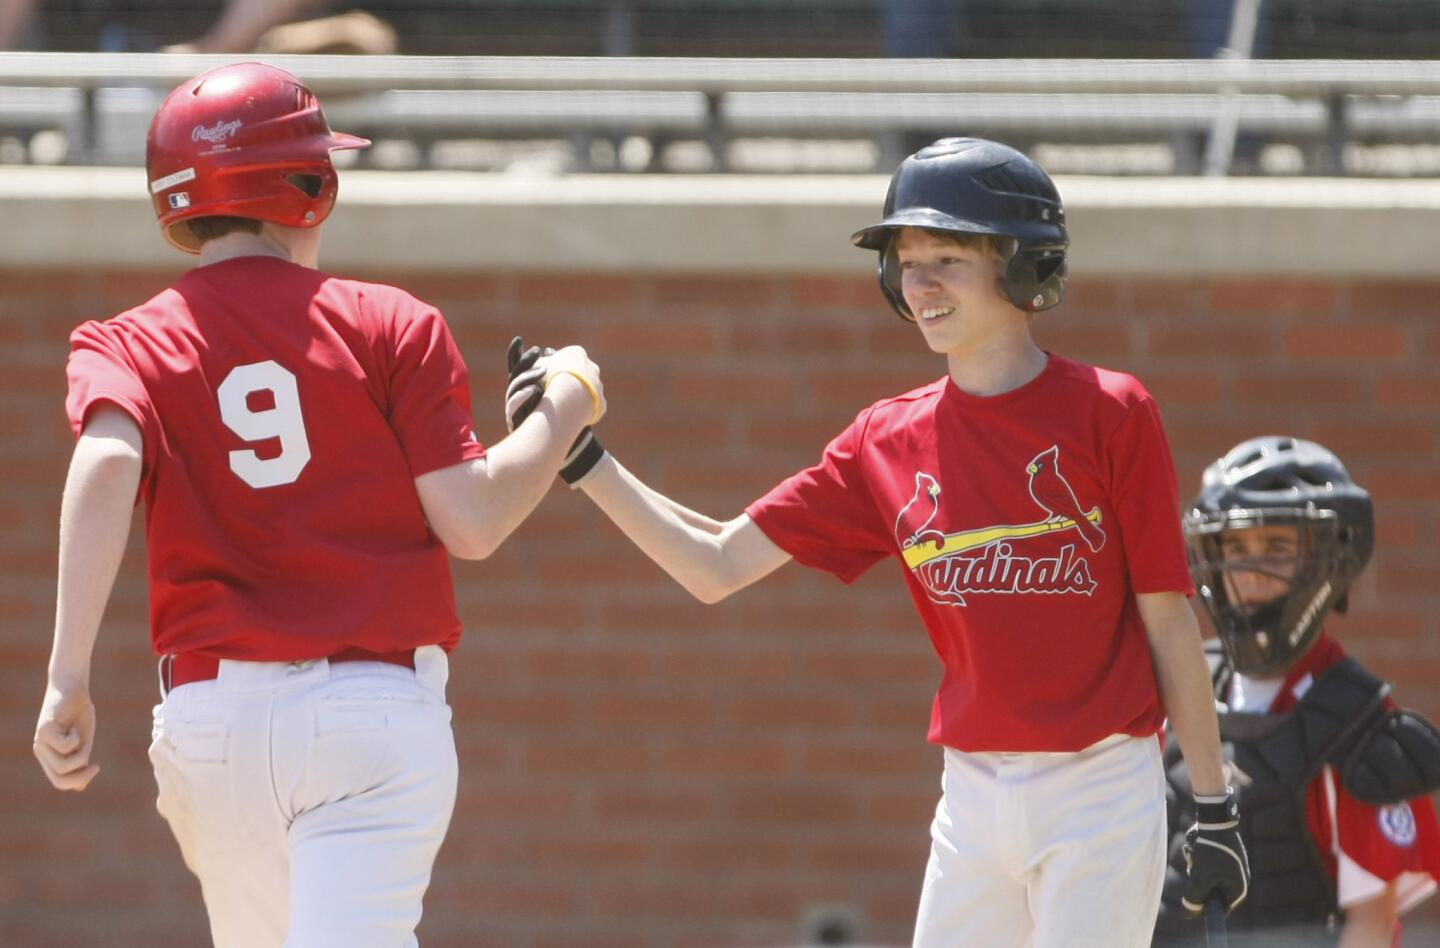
x=527 y=382
x=518 y=358
x=522 y=396
x=1215 y=860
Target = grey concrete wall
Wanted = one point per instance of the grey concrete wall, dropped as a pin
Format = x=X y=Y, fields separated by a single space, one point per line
x=449 y=221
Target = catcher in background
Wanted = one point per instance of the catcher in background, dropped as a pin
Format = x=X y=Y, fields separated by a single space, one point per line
x=1332 y=777
x=1031 y=504
x=305 y=451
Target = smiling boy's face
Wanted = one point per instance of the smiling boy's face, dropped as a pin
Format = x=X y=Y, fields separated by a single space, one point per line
x=952 y=287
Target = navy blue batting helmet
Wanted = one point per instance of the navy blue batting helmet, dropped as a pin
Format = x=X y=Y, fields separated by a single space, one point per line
x=976 y=186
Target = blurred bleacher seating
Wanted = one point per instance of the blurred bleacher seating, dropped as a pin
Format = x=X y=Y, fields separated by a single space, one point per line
x=734 y=124
x=1360 y=29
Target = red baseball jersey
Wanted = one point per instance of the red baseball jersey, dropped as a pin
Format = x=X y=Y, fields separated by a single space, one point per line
x=1024 y=523
x=285 y=415
x=1379 y=845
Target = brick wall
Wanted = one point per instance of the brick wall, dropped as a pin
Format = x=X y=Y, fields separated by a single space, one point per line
x=639 y=770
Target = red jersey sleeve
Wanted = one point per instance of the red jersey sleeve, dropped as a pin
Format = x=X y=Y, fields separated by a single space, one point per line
x=824 y=515
x=1146 y=500
x=100 y=370
x=430 y=394
x=1388 y=841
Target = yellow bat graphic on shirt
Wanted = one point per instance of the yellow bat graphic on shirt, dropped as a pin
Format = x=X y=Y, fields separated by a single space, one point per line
x=923 y=552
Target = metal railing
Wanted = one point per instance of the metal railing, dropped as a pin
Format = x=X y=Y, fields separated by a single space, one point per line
x=1328 y=102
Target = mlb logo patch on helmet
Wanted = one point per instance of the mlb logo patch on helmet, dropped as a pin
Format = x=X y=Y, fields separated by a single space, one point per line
x=180 y=199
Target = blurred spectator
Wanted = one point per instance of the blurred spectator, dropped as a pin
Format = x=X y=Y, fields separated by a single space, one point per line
x=242 y=23
x=922 y=29
x=353 y=32
x=1209 y=23
x=247 y=26
x=17 y=24
x=918 y=29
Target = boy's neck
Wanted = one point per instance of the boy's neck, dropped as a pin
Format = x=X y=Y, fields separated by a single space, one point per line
x=1001 y=367
x=245 y=244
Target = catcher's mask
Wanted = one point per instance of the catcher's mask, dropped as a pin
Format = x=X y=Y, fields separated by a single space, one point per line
x=976 y=186
x=1265 y=483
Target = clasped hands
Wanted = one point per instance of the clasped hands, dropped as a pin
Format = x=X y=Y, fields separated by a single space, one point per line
x=531 y=372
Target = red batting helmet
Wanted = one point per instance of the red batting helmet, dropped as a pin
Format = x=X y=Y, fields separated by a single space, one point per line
x=244 y=140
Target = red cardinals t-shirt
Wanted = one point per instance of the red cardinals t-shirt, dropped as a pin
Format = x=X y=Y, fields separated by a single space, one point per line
x=285 y=415
x=1363 y=847
x=1024 y=525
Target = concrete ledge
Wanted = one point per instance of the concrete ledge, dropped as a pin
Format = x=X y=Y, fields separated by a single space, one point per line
x=447 y=221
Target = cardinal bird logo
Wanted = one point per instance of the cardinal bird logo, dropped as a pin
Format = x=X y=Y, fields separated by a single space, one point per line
x=912 y=525
x=1052 y=492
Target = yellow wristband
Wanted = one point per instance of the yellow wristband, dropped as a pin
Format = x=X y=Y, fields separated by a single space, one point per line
x=589 y=387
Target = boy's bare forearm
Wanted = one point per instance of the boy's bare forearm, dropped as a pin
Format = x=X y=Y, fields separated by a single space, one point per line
x=709 y=558
x=1183 y=679
x=475 y=505
x=521 y=469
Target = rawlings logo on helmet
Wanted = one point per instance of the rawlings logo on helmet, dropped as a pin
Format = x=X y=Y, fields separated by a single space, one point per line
x=216 y=133
x=204 y=135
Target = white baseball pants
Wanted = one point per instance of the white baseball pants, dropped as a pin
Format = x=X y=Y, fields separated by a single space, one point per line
x=309 y=798
x=1044 y=850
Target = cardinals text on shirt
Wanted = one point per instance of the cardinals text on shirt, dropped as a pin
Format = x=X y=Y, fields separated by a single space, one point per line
x=985 y=560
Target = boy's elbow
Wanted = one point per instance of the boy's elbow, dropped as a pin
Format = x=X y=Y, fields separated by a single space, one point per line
x=458 y=505
x=709 y=591
x=714 y=579
x=708 y=596
x=467 y=551
x=469 y=541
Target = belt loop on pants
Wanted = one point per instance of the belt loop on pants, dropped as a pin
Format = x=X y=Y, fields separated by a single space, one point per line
x=186 y=667
x=163 y=671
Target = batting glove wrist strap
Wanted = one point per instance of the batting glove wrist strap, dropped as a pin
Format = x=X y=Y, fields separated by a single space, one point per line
x=585 y=453
x=1216 y=865
x=1217 y=812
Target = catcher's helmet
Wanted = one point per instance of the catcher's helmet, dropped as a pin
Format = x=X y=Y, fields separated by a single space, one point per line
x=244 y=140
x=975 y=186
x=1285 y=481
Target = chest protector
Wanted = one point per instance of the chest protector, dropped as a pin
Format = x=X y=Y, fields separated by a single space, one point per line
x=1274 y=758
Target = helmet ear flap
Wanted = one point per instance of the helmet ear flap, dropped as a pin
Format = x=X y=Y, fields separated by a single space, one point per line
x=1032 y=280
x=1035 y=278
x=889 y=273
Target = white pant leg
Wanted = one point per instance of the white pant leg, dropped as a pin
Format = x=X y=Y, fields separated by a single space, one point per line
x=211 y=757
x=1062 y=850
x=262 y=770
x=361 y=850
x=1099 y=840
x=971 y=896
